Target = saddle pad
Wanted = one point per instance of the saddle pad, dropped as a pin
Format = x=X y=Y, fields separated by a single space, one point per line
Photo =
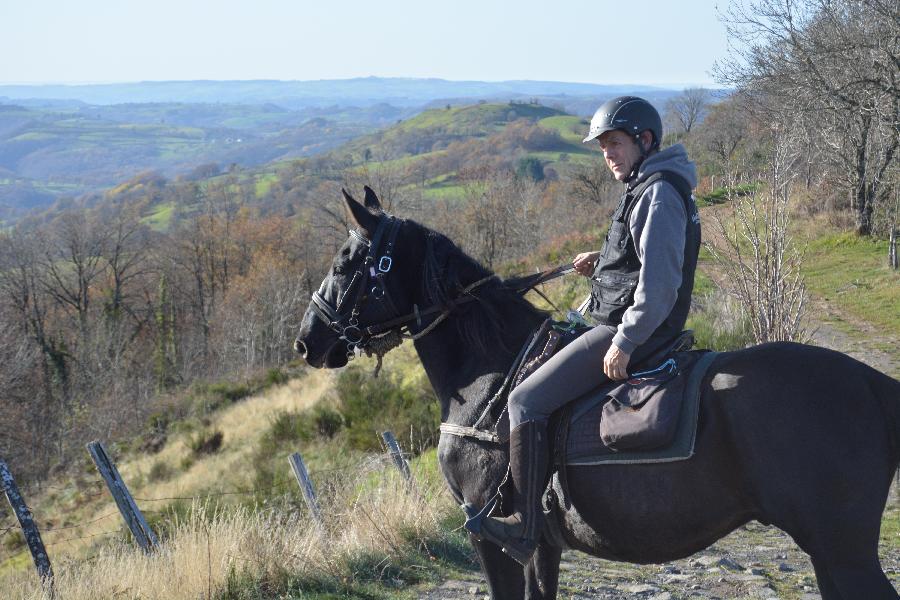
x=584 y=446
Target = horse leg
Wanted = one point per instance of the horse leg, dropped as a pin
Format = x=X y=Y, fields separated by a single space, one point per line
x=505 y=577
x=542 y=573
x=826 y=586
x=860 y=577
x=845 y=555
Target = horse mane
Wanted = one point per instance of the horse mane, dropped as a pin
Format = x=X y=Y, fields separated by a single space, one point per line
x=448 y=270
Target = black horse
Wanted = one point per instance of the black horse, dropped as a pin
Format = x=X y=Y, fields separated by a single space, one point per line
x=796 y=436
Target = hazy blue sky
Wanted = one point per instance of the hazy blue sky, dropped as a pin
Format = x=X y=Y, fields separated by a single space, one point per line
x=599 y=41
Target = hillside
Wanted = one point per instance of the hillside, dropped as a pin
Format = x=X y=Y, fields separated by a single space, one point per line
x=64 y=141
x=428 y=154
x=47 y=153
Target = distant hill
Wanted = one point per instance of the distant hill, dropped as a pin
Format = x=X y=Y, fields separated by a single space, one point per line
x=49 y=152
x=432 y=155
x=66 y=140
x=301 y=94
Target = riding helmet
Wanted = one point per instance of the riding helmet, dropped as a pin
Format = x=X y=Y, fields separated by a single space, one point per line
x=631 y=114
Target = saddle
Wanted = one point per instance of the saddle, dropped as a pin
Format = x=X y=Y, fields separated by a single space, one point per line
x=640 y=414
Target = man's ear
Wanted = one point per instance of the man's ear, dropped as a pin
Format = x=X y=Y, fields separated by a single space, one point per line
x=360 y=215
x=372 y=201
x=646 y=139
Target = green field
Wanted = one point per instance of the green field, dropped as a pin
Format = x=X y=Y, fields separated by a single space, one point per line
x=571 y=129
x=161 y=217
x=851 y=273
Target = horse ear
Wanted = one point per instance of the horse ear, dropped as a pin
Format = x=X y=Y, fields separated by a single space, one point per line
x=360 y=214
x=372 y=201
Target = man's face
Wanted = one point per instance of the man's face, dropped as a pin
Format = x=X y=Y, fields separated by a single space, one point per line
x=620 y=151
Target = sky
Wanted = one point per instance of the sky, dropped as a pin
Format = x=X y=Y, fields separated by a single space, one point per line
x=599 y=41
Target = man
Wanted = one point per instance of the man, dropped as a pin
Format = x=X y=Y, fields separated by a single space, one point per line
x=640 y=296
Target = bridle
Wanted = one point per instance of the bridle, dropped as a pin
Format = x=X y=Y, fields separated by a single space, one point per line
x=369 y=283
x=368 y=293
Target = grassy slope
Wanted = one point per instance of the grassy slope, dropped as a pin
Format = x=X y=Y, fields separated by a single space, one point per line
x=851 y=273
x=258 y=543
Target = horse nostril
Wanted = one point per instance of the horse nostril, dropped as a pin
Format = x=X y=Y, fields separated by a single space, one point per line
x=300 y=347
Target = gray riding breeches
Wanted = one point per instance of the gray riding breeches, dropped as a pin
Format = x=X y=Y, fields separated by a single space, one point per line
x=570 y=373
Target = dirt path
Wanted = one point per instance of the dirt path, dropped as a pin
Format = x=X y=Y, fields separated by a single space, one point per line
x=857 y=338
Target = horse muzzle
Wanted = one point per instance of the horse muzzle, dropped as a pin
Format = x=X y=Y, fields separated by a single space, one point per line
x=334 y=356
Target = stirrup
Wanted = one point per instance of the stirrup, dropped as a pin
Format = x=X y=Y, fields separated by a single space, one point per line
x=521 y=551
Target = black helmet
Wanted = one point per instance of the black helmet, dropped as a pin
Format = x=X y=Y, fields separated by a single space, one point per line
x=631 y=114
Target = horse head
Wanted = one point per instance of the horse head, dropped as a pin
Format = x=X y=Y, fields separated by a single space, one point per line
x=366 y=286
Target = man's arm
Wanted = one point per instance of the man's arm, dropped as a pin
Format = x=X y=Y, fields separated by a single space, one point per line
x=657 y=225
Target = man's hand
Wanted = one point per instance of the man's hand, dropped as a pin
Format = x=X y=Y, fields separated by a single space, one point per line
x=585 y=262
x=615 y=363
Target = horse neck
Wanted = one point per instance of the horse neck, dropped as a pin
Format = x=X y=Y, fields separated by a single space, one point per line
x=465 y=377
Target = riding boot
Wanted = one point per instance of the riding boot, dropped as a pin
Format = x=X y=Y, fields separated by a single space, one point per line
x=518 y=533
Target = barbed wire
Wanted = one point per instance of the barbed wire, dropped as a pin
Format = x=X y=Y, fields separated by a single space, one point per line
x=77 y=525
x=214 y=494
x=85 y=537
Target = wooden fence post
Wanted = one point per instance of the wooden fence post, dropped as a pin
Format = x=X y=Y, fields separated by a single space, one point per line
x=397 y=455
x=141 y=531
x=29 y=527
x=892 y=250
x=306 y=486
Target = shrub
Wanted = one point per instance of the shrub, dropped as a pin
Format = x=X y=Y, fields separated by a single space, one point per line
x=160 y=471
x=206 y=442
x=372 y=405
x=14 y=541
x=718 y=323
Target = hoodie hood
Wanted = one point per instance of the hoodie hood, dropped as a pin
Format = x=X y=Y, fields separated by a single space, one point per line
x=674 y=159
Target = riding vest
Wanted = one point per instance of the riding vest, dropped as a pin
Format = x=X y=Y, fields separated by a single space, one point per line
x=616 y=274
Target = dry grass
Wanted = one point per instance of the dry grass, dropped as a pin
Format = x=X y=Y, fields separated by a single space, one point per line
x=211 y=547
x=373 y=522
x=242 y=424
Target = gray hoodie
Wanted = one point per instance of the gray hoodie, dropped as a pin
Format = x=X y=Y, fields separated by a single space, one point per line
x=657 y=225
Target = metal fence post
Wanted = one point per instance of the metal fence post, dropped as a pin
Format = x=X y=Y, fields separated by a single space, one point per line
x=306 y=486
x=29 y=527
x=397 y=455
x=135 y=520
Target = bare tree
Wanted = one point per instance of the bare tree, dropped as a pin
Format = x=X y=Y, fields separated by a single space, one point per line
x=834 y=64
x=761 y=262
x=687 y=109
x=722 y=133
x=593 y=183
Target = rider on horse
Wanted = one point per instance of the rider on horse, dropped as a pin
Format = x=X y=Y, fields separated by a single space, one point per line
x=641 y=282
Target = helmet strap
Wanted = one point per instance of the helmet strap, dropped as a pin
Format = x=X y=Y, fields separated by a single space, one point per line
x=644 y=154
x=637 y=164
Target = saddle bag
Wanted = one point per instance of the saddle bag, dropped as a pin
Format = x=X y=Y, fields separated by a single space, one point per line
x=643 y=412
